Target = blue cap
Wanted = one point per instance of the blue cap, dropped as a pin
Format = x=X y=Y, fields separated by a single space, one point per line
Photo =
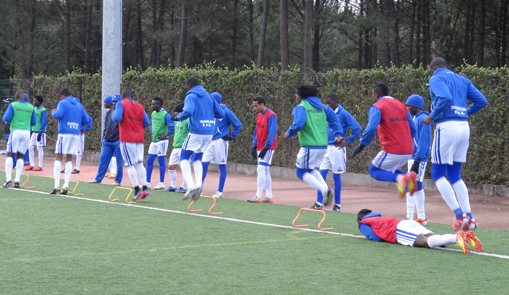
x=26 y=97
x=217 y=97
x=117 y=97
x=8 y=100
x=415 y=100
x=109 y=99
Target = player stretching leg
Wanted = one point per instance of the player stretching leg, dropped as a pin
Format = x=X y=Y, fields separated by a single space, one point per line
x=217 y=152
x=38 y=137
x=449 y=95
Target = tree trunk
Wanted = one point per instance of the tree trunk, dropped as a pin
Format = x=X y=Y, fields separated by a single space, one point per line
x=373 y=38
x=386 y=13
x=234 y=33
x=263 y=33
x=466 y=36
x=197 y=51
x=67 y=36
x=412 y=34
x=426 y=46
x=251 y=30
x=88 y=37
x=125 y=32
x=433 y=29
x=418 y=35
x=308 y=27
x=395 y=52
x=316 y=38
x=481 y=34
x=283 y=34
x=140 y=60
x=504 y=32
x=183 y=37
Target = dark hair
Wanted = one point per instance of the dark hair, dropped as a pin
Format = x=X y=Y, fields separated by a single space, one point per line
x=438 y=62
x=39 y=98
x=381 y=89
x=306 y=91
x=363 y=213
x=193 y=81
x=65 y=92
x=179 y=108
x=159 y=100
x=127 y=92
x=333 y=97
x=259 y=99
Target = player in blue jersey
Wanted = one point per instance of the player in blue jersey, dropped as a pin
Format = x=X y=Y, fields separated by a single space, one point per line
x=217 y=152
x=449 y=94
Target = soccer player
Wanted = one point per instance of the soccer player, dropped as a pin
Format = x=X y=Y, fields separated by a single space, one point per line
x=396 y=129
x=21 y=116
x=110 y=145
x=71 y=117
x=181 y=133
x=132 y=120
x=80 y=145
x=201 y=110
x=449 y=95
x=311 y=120
x=161 y=126
x=7 y=126
x=335 y=157
x=217 y=152
x=419 y=159
x=388 y=229
x=38 y=137
x=264 y=146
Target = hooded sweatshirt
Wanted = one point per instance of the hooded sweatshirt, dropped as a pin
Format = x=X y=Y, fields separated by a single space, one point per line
x=422 y=138
x=222 y=125
x=347 y=121
x=71 y=116
x=201 y=110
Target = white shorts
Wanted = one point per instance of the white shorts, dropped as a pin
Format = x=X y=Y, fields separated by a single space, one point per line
x=80 y=145
x=159 y=148
x=18 y=141
x=422 y=169
x=197 y=143
x=390 y=162
x=217 y=152
x=34 y=142
x=450 y=142
x=66 y=144
x=334 y=159
x=267 y=160
x=175 y=156
x=408 y=230
x=132 y=153
x=310 y=158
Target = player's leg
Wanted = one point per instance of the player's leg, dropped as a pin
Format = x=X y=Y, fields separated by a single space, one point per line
x=384 y=167
x=40 y=151
x=80 y=147
x=208 y=157
x=260 y=182
x=106 y=154
x=411 y=233
x=410 y=199
x=420 y=196
x=23 y=139
x=172 y=165
x=119 y=164
x=57 y=165
x=269 y=197
x=338 y=161
x=68 y=171
x=221 y=151
x=140 y=151
x=204 y=142
x=325 y=166
x=186 y=154
x=307 y=160
x=162 y=149
x=130 y=157
x=31 y=154
x=9 y=162
x=152 y=154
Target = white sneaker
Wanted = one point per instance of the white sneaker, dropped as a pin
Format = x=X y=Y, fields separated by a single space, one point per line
x=218 y=195
x=159 y=186
x=149 y=186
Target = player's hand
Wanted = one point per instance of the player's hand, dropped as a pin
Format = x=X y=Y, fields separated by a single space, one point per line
x=357 y=150
x=285 y=136
x=228 y=137
x=263 y=152
x=338 y=140
x=427 y=120
x=39 y=136
x=161 y=136
x=342 y=144
x=174 y=117
x=415 y=166
x=253 y=152
x=53 y=111
x=82 y=132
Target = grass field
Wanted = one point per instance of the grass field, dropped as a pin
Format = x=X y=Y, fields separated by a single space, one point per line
x=64 y=245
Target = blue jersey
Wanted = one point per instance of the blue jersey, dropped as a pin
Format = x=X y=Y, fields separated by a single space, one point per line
x=422 y=138
x=346 y=120
x=449 y=94
x=71 y=116
x=222 y=125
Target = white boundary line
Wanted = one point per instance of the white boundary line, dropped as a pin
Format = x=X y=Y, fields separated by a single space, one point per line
x=244 y=221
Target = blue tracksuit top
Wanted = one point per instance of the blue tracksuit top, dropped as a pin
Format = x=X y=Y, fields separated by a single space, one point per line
x=88 y=126
x=222 y=125
x=449 y=93
x=374 y=118
x=9 y=113
x=422 y=138
x=71 y=116
x=300 y=117
x=347 y=121
x=272 y=122
x=201 y=110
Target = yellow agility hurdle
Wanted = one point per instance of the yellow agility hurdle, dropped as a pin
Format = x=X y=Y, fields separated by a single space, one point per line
x=210 y=209
x=23 y=185
x=313 y=210
x=74 y=190
x=118 y=200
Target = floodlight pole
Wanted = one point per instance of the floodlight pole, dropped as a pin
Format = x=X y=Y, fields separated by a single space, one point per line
x=111 y=51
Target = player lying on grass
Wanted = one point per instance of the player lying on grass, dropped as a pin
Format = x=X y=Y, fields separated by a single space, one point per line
x=411 y=233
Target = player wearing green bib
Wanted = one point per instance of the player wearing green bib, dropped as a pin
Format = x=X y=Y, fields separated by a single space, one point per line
x=181 y=132
x=160 y=120
x=310 y=122
x=38 y=137
x=20 y=114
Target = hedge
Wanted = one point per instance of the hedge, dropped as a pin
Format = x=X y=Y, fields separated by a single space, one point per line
x=489 y=141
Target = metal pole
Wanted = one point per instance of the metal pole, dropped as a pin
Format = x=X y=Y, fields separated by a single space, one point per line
x=111 y=51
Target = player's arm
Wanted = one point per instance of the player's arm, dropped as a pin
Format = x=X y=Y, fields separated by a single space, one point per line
x=333 y=120
x=118 y=113
x=9 y=114
x=86 y=121
x=478 y=100
x=411 y=124
x=442 y=95
x=424 y=142
x=44 y=121
x=255 y=139
x=189 y=106
x=368 y=232
x=354 y=125
x=60 y=111
x=170 y=124
x=218 y=111
x=146 y=121
x=299 y=119
x=272 y=121
x=237 y=125
x=375 y=116
x=33 y=119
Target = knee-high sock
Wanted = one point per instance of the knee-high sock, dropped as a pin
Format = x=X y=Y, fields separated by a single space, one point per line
x=9 y=162
x=19 y=169
x=198 y=173
x=40 y=155
x=184 y=183
x=185 y=167
x=260 y=181
x=315 y=180
x=78 y=161
x=113 y=165
x=150 y=166
x=68 y=170
x=441 y=240
x=268 y=183
x=142 y=172
x=410 y=205
x=419 y=203
x=133 y=176
x=31 y=155
x=445 y=189
x=205 y=168
x=337 y=188
x=319 y=196
x=162 y=167
x=461 y=191
x=222 y=177
x=173 y=178
x=382 y=175
x=57 y=166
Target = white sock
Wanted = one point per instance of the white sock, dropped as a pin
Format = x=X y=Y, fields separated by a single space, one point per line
x=133 y=176
x=173 y=178
x=185 y=167
x=419 y=202
x=9 y=162
x=410 y=206
x=31 y=155
x=441 y=240
x=268 y=183
x=316 y=181
x=68 y=170
x=57 y=166
x=142 y=172
x=260 y=181
x=40 y=155
x=198 y=173
x=462 y=193
x=184 y=183
x=447 y=193
x=19 y=169
x=78 y=161
x=113 y=165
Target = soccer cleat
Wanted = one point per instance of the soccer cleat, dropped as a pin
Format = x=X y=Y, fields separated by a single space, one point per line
x=401 y=184
x=64 y=190
x=138 y=196
x=412 y=184
x=460 y=223
x=316 y=206
x=328 y=198
x=187 y=195
x=472 y=224
x=181 y=190
x=218 y=195
x=54 y=191
x=29 y=168
x=116 y=183
x=146 y=193
x=254 y=199
x=170 y=189
x=7 y=184
x=38 y=168
x=159 y=186
x=336 y=208
x=75 y=171
x=112 y=176
x=16 y=185
x=149 y=186
x=63 y=171
x=474 y=241
x=94 y=181
x=107 y=174
x=267 y=200
x=421 y=221
x=461 y=240
x=196 y=194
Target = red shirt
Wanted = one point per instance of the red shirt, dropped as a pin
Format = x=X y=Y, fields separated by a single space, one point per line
x=131 y=127
x=262 y=130
x=384 y=227
x=393 y=130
